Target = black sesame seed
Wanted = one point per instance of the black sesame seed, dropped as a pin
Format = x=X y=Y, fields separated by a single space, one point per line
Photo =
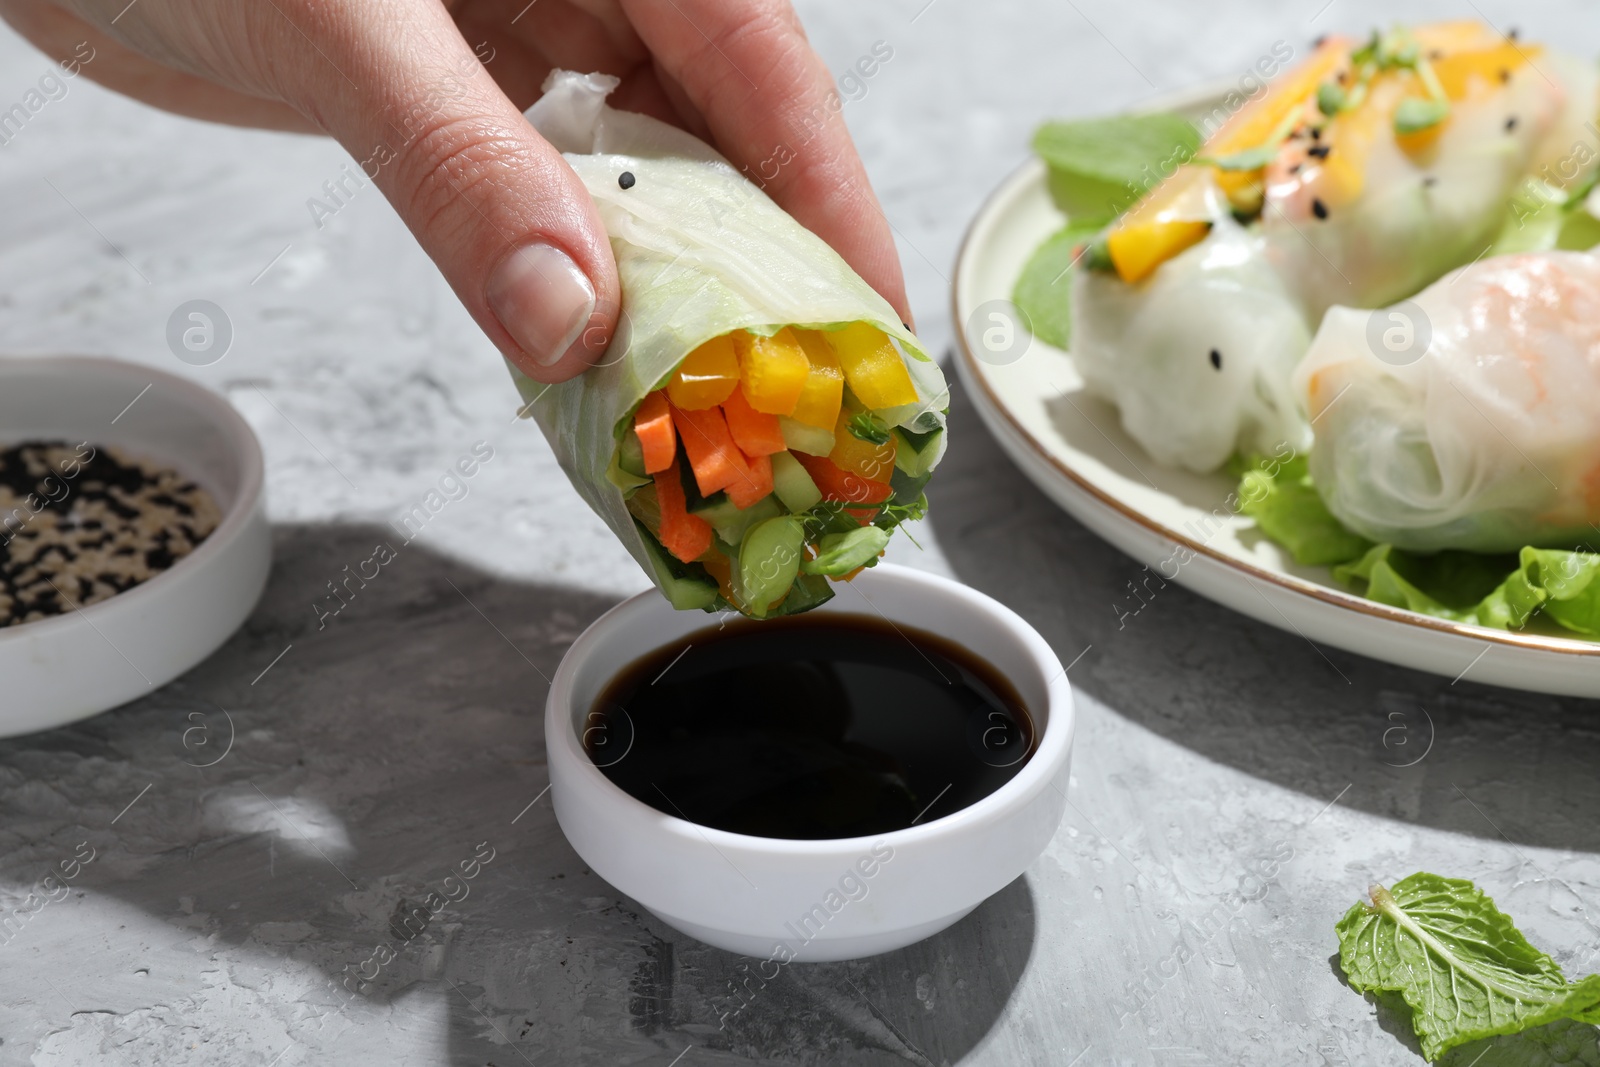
x=1511 y=123
x=1319 y=41
x=1512 y=33
x=1505 y=75
x=1216 y=359
x=1319 y=151
x=626 y=180
x=1430 y=181
x=1316 y=133
x=1319 y=209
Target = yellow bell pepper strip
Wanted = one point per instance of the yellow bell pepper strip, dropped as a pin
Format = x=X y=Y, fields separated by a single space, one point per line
x=706 y=377
x=1256 y=122
x=872 y=367
x=1136 y=251
x=824 y=389
x=1174 y=217
x=1457 y=35
x=1349 y=139
x=773 y=370
x=1487 y=67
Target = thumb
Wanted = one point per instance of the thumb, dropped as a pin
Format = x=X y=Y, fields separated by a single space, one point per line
x=507 y=221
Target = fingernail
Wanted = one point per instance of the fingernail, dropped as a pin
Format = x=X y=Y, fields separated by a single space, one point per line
x=542 y=299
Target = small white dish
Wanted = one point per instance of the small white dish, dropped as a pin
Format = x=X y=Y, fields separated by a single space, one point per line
x=809 y=901
x=1178 y=523
x=71 y=666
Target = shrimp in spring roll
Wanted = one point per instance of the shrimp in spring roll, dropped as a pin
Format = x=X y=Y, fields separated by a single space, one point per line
x=1488 y=440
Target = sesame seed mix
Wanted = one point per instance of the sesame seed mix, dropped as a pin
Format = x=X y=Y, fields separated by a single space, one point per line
x=80 y=523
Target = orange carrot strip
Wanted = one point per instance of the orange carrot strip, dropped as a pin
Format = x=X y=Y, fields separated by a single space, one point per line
x=755 y=432
x=756 y=483
x=716 y=461
x=686 y=536
x=658 y=440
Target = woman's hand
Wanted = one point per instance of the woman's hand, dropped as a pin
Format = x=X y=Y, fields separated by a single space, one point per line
x=428 y=95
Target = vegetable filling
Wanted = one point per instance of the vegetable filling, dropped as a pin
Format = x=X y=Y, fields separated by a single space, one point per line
x=766 y=465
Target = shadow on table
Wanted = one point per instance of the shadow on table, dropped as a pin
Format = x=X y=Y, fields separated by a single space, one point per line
x=314 y=781
x=1457 y=756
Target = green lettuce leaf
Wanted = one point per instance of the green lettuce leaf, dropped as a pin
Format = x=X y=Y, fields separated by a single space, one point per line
x=1284 y=503
x=1043 y=291
x=1503 y=592
x=1460 y=964
x=1098 y=167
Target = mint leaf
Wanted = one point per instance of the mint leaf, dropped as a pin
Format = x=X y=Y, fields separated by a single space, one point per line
x=1045 y=285
x=1098 y=167
x=1460 y=964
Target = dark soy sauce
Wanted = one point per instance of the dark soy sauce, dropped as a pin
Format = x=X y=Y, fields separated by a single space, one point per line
x=816 y=726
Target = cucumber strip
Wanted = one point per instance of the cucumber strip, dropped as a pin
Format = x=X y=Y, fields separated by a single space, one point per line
x=812 y=440
x=793 y=485
x=630 y=454
x=623 y=478
x=730 y=522
x=682 y=588
x=807 y=592
x=917 y=453
x=907 y=487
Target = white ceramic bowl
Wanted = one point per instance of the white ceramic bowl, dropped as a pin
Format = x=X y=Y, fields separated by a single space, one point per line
x=66 y=668
x=782 y=899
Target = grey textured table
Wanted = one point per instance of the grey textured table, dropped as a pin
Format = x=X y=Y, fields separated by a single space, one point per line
x=370 y=756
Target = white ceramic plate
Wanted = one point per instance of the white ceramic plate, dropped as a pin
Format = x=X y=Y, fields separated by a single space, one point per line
x=66 y=668
x=1178 y=523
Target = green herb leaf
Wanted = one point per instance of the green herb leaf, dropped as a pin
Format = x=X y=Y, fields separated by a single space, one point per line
x=1044 y=287
x=1414 y=114
x=1367 y=53
x=842 y=553
x=1458 y=961
x=1247 y=159
x=1099 y=167
x=865 y=426
x=893 y=514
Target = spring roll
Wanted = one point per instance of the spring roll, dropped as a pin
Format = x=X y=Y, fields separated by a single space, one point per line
x=762 y=420
x=1484 y=433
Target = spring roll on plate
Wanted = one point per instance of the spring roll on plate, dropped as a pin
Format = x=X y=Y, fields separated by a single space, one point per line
x=761 y=421
x=1490 y=439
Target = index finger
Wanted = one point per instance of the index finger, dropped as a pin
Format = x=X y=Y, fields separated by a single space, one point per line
x=770 y=104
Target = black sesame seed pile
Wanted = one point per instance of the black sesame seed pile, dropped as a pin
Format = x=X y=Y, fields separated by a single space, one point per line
x=81 y=523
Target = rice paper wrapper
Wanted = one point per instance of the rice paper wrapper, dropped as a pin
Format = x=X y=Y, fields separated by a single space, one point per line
x=701 y=251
